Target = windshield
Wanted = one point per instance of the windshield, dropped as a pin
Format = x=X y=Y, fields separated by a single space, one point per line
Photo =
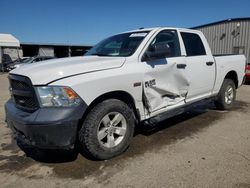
x=121 y=45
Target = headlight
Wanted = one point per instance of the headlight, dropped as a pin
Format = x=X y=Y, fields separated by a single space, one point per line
x=248 y=71
x=51 y=96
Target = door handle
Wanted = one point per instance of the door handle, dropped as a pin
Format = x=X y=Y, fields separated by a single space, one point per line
x=181 y=66
x=209 y=63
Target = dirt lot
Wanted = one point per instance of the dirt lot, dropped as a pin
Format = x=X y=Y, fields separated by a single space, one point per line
x=203 y=148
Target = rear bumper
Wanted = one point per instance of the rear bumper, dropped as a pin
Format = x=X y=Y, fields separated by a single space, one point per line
x=47 y=128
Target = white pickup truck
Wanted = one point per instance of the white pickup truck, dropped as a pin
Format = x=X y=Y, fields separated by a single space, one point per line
x=132 y=77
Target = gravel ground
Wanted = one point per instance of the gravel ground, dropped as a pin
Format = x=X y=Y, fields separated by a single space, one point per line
x=202 y=148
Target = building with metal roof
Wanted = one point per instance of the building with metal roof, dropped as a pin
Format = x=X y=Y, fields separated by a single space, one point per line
x=8 y=45
x=8 y=40
x=230 y=36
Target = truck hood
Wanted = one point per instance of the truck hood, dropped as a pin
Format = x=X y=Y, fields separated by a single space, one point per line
x=44 y=72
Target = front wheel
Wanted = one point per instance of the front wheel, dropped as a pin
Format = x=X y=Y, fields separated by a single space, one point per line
x=226 y=96
x=107 y=130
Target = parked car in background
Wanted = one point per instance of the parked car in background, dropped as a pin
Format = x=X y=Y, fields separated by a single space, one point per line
x=3 y=67
x=17 y=61
x=248 y=73
x=26 y=60
x=6 y=60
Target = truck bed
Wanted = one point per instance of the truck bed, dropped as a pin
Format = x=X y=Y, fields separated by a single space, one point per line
x=226 y=64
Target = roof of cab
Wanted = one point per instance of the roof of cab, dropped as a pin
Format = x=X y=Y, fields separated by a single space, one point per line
x=161 y=28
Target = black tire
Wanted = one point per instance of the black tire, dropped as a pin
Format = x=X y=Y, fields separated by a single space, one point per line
x=220 y=101
x=88 y=134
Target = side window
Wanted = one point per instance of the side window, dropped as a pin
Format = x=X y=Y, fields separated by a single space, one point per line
x=193 y=44
x=170 y=39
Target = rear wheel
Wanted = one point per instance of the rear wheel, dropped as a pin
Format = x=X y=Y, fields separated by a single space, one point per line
x=226 y=96
x=107 y=130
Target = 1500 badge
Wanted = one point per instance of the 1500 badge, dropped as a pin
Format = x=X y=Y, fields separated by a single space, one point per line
x=150 y=83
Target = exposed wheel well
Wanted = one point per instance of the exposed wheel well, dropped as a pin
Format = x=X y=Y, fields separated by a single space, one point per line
x=120 y=95
x=233 y=76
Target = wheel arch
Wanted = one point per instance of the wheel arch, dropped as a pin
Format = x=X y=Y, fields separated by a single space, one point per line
x=233 y=76
x=119 y=95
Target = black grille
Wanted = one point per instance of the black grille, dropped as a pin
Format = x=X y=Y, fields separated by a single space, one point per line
x=25 y=101
x=23 y=93
x=18 y=85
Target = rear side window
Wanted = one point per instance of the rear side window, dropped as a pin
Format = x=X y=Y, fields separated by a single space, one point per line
x=193 y=44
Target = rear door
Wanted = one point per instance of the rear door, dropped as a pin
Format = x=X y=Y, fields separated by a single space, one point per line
x=200 y=67
x=165 y=80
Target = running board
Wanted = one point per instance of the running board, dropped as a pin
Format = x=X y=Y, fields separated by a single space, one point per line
x=174 y=112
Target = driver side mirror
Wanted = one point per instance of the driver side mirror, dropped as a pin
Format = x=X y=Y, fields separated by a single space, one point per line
x=157 y=51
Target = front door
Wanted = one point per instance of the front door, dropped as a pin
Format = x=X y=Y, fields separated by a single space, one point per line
x=165 y=79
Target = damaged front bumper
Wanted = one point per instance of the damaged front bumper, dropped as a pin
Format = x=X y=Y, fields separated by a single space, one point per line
x=46 y=128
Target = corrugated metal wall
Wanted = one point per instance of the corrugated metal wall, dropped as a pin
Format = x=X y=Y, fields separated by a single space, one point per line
x=224 y=37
